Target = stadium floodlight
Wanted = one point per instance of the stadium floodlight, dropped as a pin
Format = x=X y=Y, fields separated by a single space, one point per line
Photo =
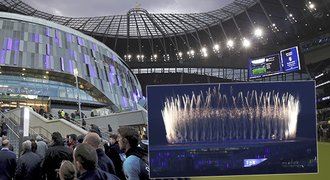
x=204 y=52
x=230 y=43
x=192 y=52
x=311 y=6
x=258 y=32
x=216 y=48
x=246 y=43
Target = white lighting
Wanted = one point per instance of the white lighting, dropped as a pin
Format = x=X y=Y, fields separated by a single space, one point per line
x=192 y=52
x=318 y=76
x=311 y=5
x=230 y=43
x=216 y=47
x=290 y=15
x=155 y=56
x=204 y=50
x=246 y=43
x=180 y=54
x=258 y=32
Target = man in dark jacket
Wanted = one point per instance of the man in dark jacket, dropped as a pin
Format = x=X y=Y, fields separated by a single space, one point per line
x=113 y=152
x=7 y=161
x=85 y=161
x=28 y=165
x=134 y=166
x=104 y=162
x=55 y=154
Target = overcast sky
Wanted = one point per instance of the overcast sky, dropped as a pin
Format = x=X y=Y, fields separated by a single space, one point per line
x=118 y=7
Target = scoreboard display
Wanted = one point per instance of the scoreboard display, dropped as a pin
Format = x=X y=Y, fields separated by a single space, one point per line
x=286 y=60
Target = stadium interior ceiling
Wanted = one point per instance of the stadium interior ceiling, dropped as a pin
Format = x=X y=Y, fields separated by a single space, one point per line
x=222 y=38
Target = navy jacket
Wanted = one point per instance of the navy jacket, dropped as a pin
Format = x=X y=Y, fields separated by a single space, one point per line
x=7 y=163
x=97 y=175
x=104 y=162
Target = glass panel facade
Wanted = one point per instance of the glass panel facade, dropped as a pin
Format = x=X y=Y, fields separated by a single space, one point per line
x=25 y=44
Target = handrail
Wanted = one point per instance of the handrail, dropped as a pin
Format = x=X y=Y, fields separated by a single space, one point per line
x=9 y=120
x=49 y=134
x=13 y=131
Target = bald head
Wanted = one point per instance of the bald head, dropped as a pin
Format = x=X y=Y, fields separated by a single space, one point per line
x=92 y=139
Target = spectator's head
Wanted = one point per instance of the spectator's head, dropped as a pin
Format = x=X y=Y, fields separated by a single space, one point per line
x=5 y=143
x=113 y=138
x=39 y=138
x=26 y=145
x=128 y=137
x=80 y=138
x=85 y=158
x=92 y=139
x=57 y=138
x=67 y=170
x=72 y=138
x=34 y=146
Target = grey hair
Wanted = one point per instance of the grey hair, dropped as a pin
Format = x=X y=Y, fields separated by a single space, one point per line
x=26 y=145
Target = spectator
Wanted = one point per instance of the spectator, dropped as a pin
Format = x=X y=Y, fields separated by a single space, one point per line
x=113 y=152
x=96 y=129
x=104 y=162
x=7 y=161
x=85 y=161
x=134 y=166
x=80 y=138
x=72 y=141
x=4 y=128
x=55 y=154
x=83 y=123
x=28 y=165
x=41 y=147
x=41 y=111
x=109 y=128
x=67 y=171
x=34 y=146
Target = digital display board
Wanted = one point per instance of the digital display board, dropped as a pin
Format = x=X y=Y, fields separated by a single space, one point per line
x=286 y=60
x=267 y=65
x=290 y=59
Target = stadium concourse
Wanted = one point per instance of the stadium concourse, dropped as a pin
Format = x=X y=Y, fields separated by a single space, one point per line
x=62 y=77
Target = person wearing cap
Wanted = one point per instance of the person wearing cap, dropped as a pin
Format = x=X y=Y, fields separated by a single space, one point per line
x=7 y=161
x=55 y=154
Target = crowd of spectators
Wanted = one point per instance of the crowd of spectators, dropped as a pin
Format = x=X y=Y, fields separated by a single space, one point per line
x=76 y=157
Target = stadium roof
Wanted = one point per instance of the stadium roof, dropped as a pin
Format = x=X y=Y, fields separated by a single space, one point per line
x=137 y=22
x=199 y=39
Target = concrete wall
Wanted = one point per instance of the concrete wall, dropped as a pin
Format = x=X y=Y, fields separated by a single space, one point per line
x=43 y=126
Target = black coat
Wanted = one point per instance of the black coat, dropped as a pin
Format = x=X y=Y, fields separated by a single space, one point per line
x=97 y=175
x=28 y=167
x=53 y=158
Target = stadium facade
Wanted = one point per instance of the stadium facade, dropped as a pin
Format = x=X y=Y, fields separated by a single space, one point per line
x=40 y=62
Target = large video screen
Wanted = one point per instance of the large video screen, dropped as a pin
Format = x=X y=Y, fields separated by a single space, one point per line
x=290 y=59
x=286 y=60
x=268 y=65
x=232 y=129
